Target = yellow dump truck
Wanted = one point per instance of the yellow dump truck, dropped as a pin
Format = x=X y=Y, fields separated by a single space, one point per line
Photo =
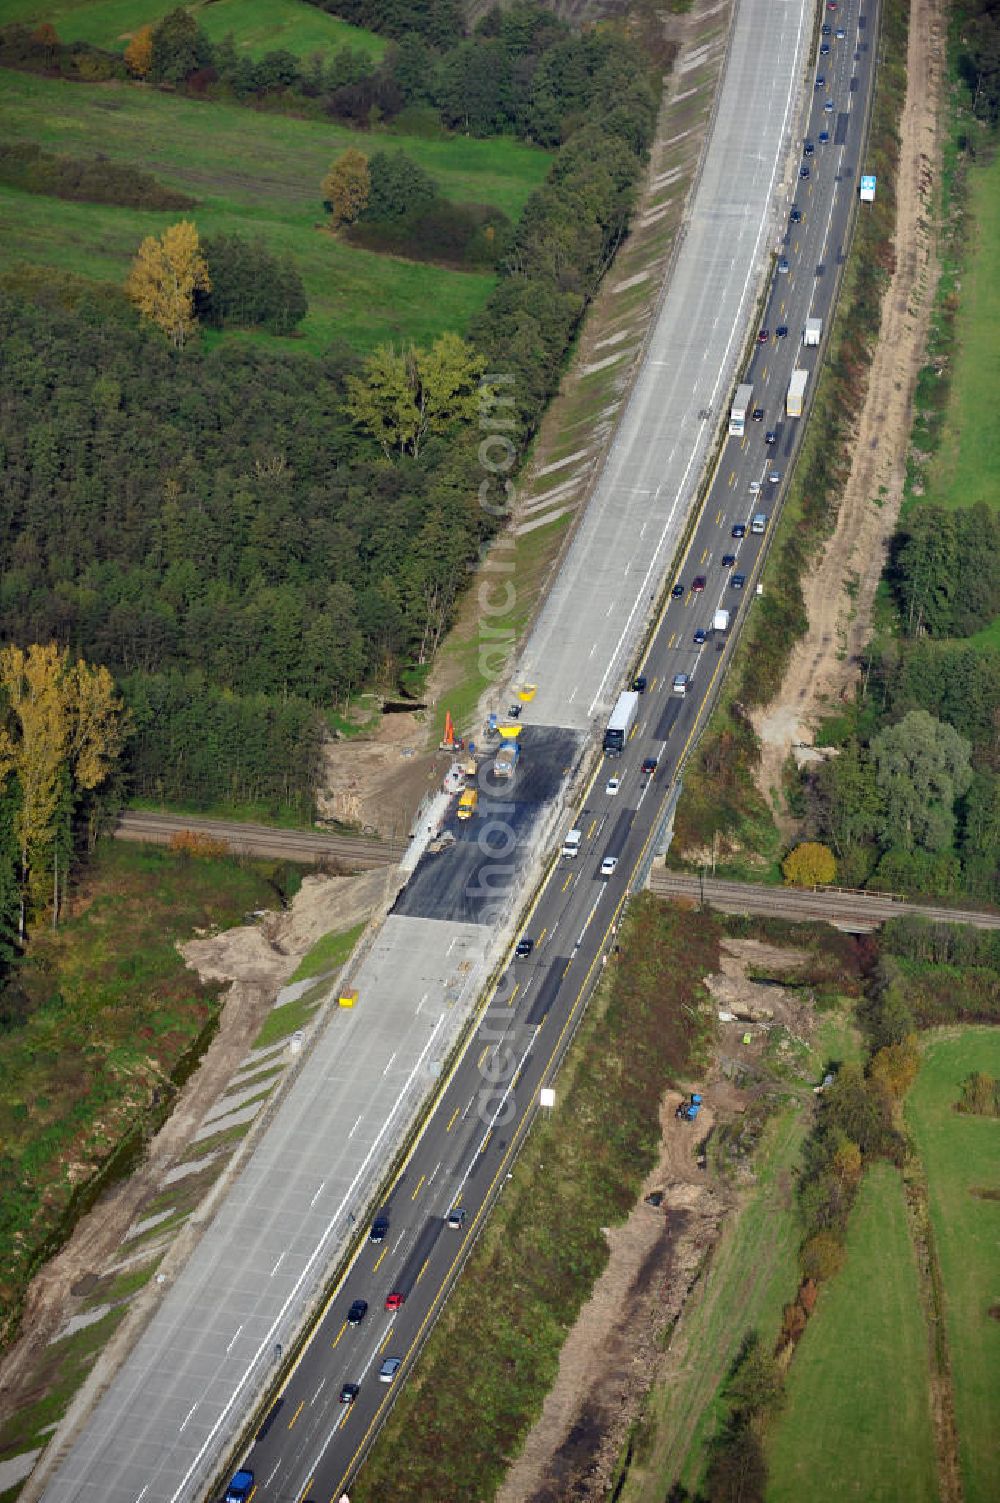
x=467 y=803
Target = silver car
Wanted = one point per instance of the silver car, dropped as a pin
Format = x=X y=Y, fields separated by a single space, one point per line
x=390 y=1367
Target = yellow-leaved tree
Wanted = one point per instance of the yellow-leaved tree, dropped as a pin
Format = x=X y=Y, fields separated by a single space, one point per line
x=139 y=53
x=164 y=278
x=346 y=186
x=61 y=732
x=809 y=865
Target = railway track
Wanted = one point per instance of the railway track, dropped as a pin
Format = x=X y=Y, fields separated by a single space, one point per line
x=357 y=852
x=856 y=912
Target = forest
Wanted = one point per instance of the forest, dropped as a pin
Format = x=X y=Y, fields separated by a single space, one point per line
x=217 y=526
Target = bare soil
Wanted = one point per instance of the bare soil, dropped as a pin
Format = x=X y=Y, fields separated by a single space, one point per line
x=615 y=1349
x=840 y=590
x=256 y=960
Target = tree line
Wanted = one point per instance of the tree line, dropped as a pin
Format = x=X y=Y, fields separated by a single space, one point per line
x=521 y=71
x=224 y=527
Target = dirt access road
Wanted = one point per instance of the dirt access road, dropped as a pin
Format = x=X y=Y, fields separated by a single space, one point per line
x=840 y=591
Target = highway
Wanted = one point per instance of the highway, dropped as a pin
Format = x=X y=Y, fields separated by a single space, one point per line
x=315 y=1443
x=174 y=1407
x=260 y=840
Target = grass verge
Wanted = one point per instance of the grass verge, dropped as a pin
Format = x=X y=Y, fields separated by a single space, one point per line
x=961 y=1159
x=857 y=1422
x=329 y=953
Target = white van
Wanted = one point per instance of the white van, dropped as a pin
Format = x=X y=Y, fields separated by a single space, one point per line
x=571 y=845
x=759 y=522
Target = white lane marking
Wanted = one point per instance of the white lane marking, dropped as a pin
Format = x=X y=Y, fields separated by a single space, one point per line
x=278 y=1264
x=313 y=1201
x=187 y=1417
x=249 y=1370
x=322 y=1384
x=357 y=1124
x=233 y=1342
x=437 y=1166
x=388 y=1067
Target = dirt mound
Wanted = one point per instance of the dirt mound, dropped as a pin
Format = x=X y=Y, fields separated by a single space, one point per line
x=267 y=953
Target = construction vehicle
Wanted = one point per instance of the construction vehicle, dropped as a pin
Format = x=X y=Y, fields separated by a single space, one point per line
x=451 y=742
x=506 y=759
x=688 y=1110
x=467 y=803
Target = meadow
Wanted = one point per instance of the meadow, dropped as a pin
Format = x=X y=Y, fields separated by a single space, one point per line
x=961 y=1160
x=257 y=26
x=857 y=1423
x=966 y=468
x=256 y=174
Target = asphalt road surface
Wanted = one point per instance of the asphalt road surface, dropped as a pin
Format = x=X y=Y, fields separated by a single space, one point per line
x=316 y=1443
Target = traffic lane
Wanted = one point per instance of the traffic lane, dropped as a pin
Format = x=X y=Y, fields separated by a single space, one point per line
x=685 y=705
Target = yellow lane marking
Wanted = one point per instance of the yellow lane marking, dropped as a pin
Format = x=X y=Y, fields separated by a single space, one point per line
x=340 y=1333
x=295 y=1416
x=423 y=1176
x=380 y=1257
x=451 y=1124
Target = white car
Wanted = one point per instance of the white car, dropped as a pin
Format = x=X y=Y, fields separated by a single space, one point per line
x=608 y=866
x=755 y=487
x=613 y=786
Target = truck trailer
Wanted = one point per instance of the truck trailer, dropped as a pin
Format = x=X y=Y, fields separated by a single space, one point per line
x=621 y=723
x=812 y=332
x=796 y=393
x=740 y=410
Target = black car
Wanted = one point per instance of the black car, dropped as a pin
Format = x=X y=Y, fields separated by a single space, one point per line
x=639 y=683
x=758 y=414
x=677 y=591
x=771 y=438
x=728 y=560
x=820 y=81
x=349 y=1392
x=357 y=1312
x=825 y=29
x=739 y=530
x=808 y=149
x=796 y=215
x=804 y=172
x=738 y=581
x=524 y=948
x=649 y=767
x=699 y=637
x=824 y=50
x=380 y=1229
x=781 y=332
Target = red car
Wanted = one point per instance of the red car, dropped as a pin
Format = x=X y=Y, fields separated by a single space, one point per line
x=763 y=336
x=698 y=584
x=394 y=1300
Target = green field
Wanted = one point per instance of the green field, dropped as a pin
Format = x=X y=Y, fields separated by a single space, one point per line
x=967 y=466
x=961 y=1158
x=256 y=174
x=858 y=1422
x=257 y=26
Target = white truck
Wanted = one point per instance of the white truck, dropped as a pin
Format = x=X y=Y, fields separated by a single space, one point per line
x=720 y=621
x=796 y=393
x=740 y=410
x=621 y=723
x=571 y=845
x=813 y=331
